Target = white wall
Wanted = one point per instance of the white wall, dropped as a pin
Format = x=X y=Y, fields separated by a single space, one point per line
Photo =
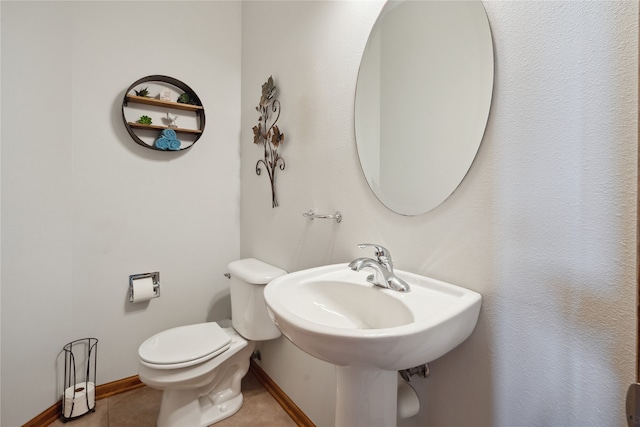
x=83 y=206
x=543 y=226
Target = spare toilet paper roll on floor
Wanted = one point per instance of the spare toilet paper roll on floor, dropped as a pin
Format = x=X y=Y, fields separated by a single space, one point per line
x=143 y=289
x=79 y=399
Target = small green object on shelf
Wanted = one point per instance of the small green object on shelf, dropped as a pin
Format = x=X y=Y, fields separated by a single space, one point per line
x=185 y=98
x=142 y=92
x=144 y=120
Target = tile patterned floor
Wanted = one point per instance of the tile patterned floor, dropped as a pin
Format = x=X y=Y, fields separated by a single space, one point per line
x=139 y=408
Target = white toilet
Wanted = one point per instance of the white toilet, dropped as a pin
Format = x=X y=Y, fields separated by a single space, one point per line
x=200 y=367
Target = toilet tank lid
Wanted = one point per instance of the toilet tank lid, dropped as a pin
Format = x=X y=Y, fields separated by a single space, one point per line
x=254 y=271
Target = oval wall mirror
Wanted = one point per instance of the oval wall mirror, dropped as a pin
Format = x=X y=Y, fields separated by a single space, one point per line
x=422 y=100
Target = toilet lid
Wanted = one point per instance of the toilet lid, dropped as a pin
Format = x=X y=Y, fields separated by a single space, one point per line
x=184 y=344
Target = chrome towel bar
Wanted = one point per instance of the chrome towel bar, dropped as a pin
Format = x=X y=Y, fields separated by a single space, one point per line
x=311 y=215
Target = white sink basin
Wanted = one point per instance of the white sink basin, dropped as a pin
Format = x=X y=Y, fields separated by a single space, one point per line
x=334 y=314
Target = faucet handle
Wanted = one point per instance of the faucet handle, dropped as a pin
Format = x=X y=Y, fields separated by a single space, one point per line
x=382 y=253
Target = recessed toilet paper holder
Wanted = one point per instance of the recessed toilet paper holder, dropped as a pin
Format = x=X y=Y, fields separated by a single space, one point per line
x=155 y=277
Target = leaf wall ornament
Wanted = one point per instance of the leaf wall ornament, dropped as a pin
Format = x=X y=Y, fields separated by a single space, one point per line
x=268 y=134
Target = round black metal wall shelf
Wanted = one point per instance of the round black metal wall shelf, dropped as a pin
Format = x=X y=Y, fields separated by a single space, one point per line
x=139 y=111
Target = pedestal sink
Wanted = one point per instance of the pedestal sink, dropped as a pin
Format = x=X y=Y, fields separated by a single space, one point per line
x=370 y=333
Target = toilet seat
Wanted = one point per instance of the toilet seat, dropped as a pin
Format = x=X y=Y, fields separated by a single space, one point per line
x=184 y=346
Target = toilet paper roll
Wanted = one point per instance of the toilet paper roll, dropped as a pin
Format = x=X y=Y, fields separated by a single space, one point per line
x=143 y=289
x=78 y=399
x=408 y=402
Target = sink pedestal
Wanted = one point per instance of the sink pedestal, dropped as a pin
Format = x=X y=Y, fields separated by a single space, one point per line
x=366 y=396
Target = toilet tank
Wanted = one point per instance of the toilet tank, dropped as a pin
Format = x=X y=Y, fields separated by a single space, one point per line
x=248 y=309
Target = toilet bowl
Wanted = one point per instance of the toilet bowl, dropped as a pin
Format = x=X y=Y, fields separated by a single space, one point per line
x=200 y=367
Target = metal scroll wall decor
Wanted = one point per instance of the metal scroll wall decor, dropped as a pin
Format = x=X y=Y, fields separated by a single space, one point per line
x=268 y=134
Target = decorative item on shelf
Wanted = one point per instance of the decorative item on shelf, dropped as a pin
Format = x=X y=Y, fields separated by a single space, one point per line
x=144 y=120
x=170 y=121
x=268 y=134
x=165 y=95
x=185 y=98
x=142 y=92
x=168 y=140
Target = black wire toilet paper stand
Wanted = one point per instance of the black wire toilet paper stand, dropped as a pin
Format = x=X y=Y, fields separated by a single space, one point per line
x=80 y=357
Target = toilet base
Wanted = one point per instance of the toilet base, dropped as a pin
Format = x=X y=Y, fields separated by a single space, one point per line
x=203 y=394
x=184 y=408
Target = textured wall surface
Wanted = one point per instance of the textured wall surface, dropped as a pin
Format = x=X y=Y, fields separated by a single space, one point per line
x=543 y=226
x=83 y=206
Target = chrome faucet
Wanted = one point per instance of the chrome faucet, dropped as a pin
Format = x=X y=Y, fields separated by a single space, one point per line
x=383 y=275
